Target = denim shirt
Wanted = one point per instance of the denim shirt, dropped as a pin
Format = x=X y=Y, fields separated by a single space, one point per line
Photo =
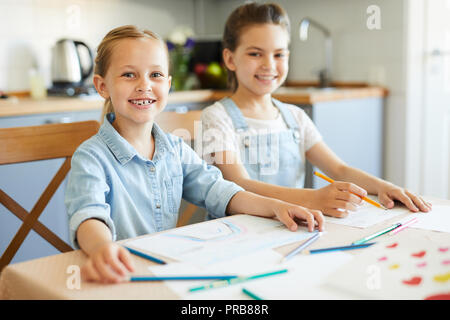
x=133 y=195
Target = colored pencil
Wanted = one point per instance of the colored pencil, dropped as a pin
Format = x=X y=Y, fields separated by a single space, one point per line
x=403 y=226
x=379 y=233
x=224 y=283
x=145 y=256
x=251 y=294
x=350 y=247
x=376 y=204
x=179 y=277
x=301 y=247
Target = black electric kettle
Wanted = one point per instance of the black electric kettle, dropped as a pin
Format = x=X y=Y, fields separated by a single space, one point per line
x=67 y=69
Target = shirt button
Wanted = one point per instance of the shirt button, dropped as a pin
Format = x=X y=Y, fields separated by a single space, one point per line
x=158 y=206
x=152 y=169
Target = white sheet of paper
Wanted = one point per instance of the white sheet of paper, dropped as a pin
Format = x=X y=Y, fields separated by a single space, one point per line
x=220 y=240
x=367 y=215
x=302 y=281
x=259 y=262
x=438 y=219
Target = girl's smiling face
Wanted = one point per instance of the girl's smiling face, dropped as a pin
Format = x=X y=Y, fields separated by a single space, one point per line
x=260 y=61
x=137 y=80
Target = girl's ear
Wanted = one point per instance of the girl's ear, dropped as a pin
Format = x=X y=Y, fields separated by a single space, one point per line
x=170 y=82
x=228 y=59
x=100 y=86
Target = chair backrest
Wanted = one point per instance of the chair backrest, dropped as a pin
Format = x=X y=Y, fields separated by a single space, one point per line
x=179 y=124
x=25 y=144
x=184 y=126
x=50 y=141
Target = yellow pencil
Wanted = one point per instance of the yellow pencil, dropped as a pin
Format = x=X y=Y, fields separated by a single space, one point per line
x=376 y=204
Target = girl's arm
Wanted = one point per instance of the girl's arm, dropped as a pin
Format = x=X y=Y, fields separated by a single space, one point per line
x=108 y=261
x=92 y=234
x=321 y=156
x=333 y=200
x=249 y=203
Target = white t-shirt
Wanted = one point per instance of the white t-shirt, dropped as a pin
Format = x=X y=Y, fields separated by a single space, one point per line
x=219 y=133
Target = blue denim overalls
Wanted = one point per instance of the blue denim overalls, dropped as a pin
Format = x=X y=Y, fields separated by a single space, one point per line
x=270 y=157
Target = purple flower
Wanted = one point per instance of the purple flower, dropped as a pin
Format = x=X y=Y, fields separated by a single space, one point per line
x=189 y=43
x=170 y=45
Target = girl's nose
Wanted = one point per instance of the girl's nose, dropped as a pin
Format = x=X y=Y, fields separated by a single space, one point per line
x=268 y=62
x=144 y=85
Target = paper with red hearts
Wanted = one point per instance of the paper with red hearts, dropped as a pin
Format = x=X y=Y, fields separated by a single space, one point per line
x=412 y=268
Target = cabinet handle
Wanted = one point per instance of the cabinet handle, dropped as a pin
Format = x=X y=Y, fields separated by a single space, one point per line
x=60 y=120
x=181 y=109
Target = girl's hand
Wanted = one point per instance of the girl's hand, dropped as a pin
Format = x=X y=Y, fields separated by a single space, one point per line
x=338 y=198
x=286 y=213
x=109 y=264
x=389 y=192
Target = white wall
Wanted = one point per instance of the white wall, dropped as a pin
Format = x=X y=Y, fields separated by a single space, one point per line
x=29 y=28
x=360 y=54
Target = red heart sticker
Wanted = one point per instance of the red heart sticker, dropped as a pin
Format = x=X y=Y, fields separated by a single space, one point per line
x=419 y=254
x=392 y=245
x=439 y=296
x=414 y=281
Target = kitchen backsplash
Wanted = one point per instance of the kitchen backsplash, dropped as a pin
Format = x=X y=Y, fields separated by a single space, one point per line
x=29 y=29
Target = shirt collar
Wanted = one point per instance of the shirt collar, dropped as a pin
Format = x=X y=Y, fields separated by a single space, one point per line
x=122 y=149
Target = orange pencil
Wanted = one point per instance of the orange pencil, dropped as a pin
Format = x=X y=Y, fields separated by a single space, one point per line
x=376 y=204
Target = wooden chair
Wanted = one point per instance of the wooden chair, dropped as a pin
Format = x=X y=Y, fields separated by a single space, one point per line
x=25 y=144
x=179 y=124
x=182 y=125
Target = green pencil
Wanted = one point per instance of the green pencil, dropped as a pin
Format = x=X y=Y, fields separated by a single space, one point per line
x=251 y=294
x=224 y=283
x=364 y=240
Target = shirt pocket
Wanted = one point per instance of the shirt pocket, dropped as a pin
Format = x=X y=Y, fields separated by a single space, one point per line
x=174 y=187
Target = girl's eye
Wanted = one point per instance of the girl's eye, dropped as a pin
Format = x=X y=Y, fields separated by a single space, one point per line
x=254 y=54
x=128 y=75
x=281 y=55
x=157 y=75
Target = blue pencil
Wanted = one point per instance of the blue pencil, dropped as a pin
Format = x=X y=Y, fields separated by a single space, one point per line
x=145 y=256
x=301 y=247
x=350 y=247
x=163 y=278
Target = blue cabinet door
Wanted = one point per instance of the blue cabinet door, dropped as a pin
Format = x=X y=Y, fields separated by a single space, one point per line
x=353 y=129
x=25 y=183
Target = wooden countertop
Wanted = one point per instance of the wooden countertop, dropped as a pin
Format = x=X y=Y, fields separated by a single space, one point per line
x=295 y=95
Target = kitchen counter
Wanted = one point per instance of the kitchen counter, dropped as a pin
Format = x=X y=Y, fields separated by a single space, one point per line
x=295 y=95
